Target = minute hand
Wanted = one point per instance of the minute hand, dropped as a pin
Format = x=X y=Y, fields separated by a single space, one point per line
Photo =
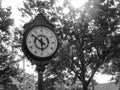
x=40 y=40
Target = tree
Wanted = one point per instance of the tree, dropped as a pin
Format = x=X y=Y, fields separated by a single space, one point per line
x=88 y=36
x=7 y=54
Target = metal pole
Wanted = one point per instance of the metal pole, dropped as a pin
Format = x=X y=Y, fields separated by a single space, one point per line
x=40 y=81
x=93 y=85
x=40 y=67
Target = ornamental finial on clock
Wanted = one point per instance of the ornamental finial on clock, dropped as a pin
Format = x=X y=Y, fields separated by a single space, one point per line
x=40 y=18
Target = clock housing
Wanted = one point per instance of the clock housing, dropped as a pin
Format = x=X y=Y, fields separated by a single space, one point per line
x=39 y=43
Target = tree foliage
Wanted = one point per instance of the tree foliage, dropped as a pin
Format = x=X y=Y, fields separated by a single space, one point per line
x=5 y=20
x=7 y=54
x=88 y=37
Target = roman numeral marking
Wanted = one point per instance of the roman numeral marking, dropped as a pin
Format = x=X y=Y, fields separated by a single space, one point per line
x=29 y=41
x=52 y=48
x=53 y=42
x=35 y=52
x=31 y=47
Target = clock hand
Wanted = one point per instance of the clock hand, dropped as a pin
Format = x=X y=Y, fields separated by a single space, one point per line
x=42 y=43
x=40 y=40
x=36 y=37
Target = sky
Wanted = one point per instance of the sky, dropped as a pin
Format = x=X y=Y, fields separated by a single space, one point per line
x=16 y=14
x=15 y=4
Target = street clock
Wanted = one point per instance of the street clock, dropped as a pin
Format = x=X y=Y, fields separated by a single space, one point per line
x=39 y=41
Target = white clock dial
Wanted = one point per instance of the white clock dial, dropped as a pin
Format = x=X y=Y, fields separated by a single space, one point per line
x=41 y=42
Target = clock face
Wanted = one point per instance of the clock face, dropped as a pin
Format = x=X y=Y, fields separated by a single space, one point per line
x=41 y=42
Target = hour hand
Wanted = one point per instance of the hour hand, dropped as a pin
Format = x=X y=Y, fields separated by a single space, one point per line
x=42 y=43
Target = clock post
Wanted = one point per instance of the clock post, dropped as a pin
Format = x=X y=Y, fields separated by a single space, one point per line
x=39 y=44
x=40 y=69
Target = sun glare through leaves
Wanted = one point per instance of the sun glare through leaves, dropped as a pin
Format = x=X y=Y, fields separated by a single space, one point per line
x=78 y=3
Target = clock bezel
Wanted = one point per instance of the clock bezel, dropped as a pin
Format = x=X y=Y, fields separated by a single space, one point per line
x=27 y=51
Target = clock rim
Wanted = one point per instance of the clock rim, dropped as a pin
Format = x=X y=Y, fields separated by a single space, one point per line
x=27 y=52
